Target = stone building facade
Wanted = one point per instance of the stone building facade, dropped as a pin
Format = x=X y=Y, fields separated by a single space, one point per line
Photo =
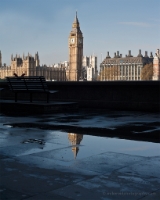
x=20 y=65
x=92 y=71
x=52 y=73
x=89 y=66
x=125 y=68
x=0 y=59
x=156 y=66
x=30 y=66
x=75 y=44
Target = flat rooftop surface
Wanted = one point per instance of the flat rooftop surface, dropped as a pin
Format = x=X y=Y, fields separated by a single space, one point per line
x=83 y=155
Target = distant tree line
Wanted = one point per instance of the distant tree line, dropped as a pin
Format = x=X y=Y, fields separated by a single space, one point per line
x=109 y=73
x=112 y=73
x=147 y=72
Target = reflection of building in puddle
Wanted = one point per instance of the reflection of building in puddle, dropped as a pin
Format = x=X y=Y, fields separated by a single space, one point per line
x=75 y=140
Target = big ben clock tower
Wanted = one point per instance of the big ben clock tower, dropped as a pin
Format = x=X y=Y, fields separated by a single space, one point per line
x=75 y=52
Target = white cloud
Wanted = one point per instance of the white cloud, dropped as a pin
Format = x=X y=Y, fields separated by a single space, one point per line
x=141 y=24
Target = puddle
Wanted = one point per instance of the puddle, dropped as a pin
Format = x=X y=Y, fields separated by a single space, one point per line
x=64 y=146
x=91 y=145
x=71 y=146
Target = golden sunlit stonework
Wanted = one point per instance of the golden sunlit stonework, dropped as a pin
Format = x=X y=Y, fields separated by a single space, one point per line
x=126 y=68
x=75 y=43
x=30 y=66
x=75 y=140
x=20 y=65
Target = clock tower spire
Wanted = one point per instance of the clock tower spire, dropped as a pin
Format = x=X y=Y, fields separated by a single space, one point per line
x=75 y=44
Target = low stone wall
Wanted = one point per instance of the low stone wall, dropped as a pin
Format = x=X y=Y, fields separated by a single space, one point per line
x=116 y=95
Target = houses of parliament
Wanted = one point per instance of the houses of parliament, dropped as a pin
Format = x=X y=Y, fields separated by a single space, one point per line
x=30 y=66
x=67 y=71
x=81 y=67
x=74 y=70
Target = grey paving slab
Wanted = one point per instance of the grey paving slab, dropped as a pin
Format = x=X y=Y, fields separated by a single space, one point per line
x=101 y=187
x=29 y=148
x=139 y=181
x=13 y=167
x=154 y=195
x=45 y=163
x=148 y=169
x=28 y=180
x=48 y=196
x=26 y=184
x=96 y=191
x=9 y=194
x=105 y=163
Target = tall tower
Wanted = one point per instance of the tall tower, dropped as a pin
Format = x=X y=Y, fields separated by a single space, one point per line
x=0 y=59
x=156 y=66
x=75 y=52
x=37 y=59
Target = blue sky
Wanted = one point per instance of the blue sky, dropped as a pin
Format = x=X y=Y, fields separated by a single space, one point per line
x=107 y=25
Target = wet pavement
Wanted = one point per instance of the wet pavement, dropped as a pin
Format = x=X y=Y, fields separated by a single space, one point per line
x=84 y=155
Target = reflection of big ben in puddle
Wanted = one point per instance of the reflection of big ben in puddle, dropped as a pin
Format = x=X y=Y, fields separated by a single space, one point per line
x=75 y=140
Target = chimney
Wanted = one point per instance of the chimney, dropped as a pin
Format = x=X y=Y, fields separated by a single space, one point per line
x=108 y=56
x=151 y=55
x=146 y=54
x=129 y=53
x=117 y=54
x=120 y=55
x=114 y=55
x=139 y=55
x=126 y=55
x=158 y=52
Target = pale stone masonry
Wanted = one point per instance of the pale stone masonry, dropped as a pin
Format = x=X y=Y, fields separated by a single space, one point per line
x=128 y=67
x=75 y=43
x=89 y=65
x=20 y=65
x=156 y=66
x=92 y=68
x=30 y=66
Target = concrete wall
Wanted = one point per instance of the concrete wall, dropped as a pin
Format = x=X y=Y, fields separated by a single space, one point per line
x=117 y=95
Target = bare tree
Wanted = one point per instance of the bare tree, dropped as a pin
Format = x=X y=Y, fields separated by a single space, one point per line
x=147 y=72
x=109 y=73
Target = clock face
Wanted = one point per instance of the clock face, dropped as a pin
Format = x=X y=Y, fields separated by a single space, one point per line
x=72 y=40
